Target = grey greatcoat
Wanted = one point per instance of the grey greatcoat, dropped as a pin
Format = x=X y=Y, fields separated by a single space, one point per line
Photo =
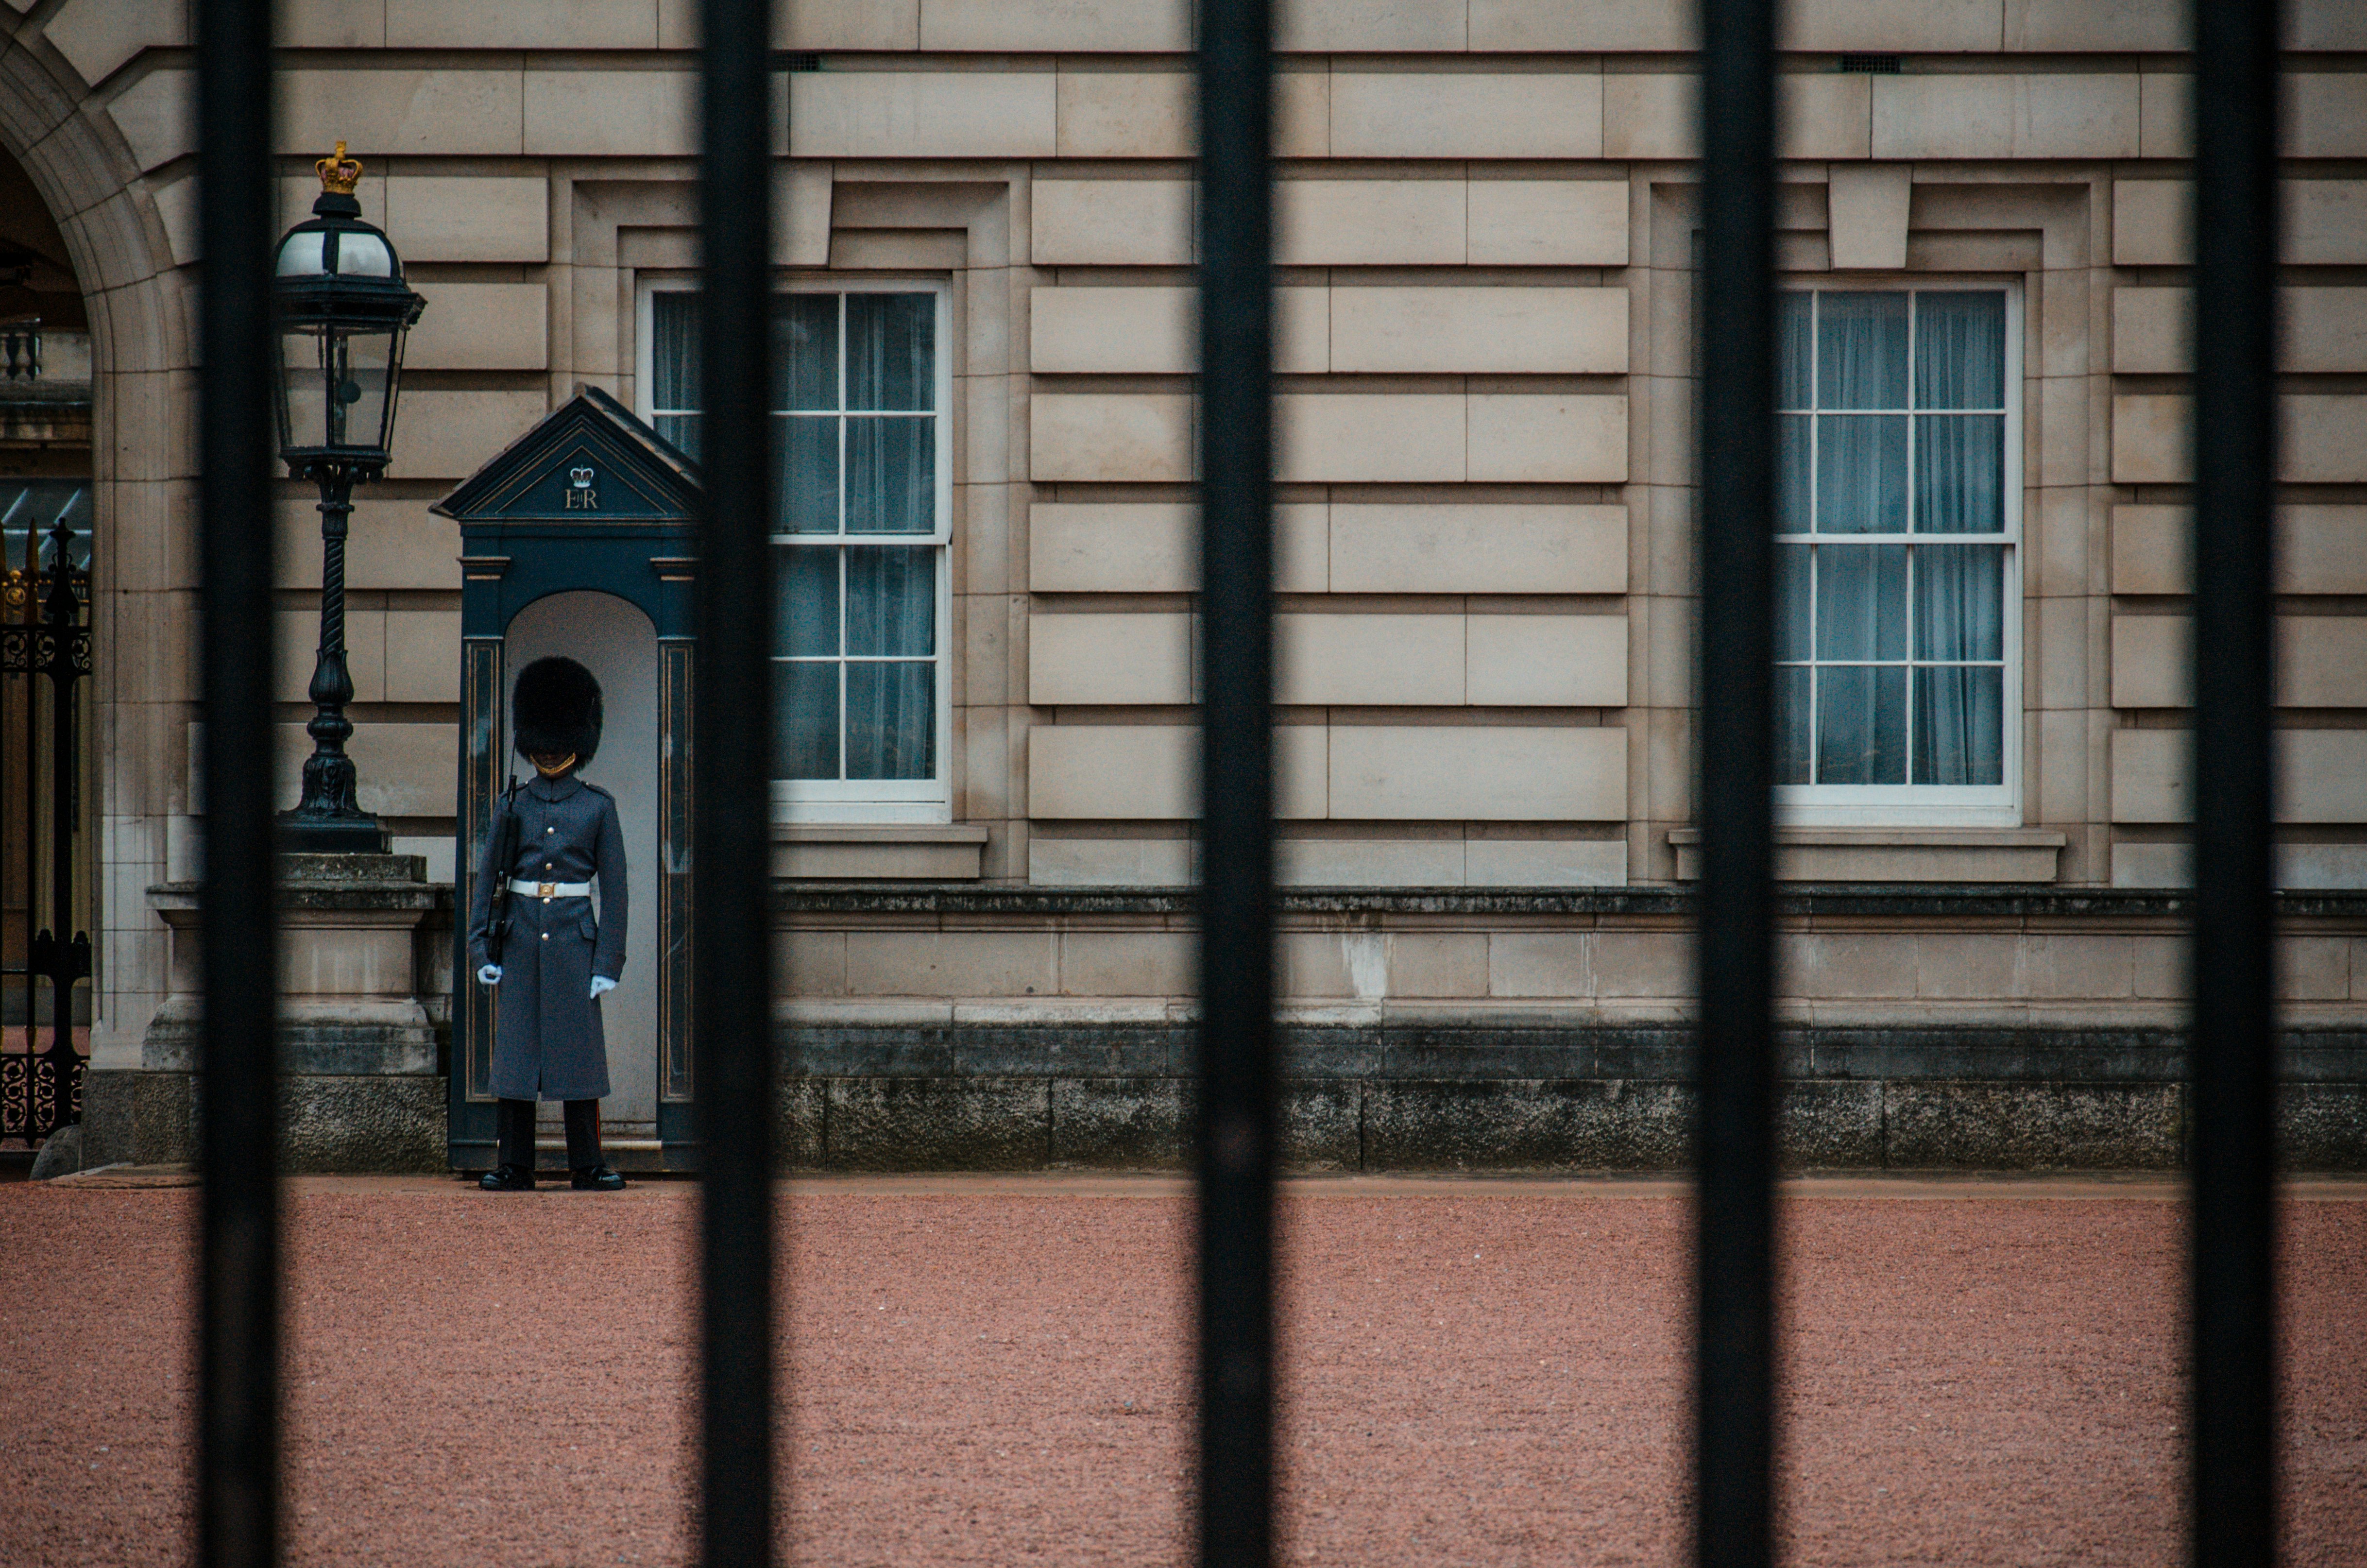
x=546 y=1039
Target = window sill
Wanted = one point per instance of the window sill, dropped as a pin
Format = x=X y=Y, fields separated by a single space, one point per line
x=869 y=852
x=2022 y=855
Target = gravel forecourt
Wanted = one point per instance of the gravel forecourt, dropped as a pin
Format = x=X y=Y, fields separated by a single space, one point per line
x=993 y=1370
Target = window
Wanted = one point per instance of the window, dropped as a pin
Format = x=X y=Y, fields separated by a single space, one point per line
x=1896 y=687
x=859 y=688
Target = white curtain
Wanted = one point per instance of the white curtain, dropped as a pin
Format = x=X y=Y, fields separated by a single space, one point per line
x=673 y=368
x=1959 y=614
x=891 y=685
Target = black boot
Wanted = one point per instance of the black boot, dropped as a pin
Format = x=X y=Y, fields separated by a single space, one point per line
x=598 y=1178
x=507 y=1178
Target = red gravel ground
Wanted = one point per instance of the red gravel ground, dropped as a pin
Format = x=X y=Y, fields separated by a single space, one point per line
x=991 y=1371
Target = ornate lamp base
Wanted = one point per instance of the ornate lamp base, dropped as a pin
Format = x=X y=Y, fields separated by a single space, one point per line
x=309 y=832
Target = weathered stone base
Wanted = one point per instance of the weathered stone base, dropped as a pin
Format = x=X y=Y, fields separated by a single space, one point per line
x=1118 y=1098
x=329 y=1123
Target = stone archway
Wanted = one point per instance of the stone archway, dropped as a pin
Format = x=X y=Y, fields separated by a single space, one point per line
x=129 y=252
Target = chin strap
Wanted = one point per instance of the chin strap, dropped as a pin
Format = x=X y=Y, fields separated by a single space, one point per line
x=557 y=768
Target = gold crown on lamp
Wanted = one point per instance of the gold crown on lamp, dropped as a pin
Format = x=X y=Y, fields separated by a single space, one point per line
x=338 y=173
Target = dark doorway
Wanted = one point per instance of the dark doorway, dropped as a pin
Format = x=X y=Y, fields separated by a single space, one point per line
x=48 y=894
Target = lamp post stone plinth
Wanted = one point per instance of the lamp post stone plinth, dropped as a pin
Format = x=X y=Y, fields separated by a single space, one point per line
x=343 y=312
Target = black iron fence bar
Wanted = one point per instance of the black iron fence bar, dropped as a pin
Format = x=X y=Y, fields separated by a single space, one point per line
x=2233 y=952
x=1734 y=1256
x=1236 y=1124
x=238 y=1354
x=731 y=969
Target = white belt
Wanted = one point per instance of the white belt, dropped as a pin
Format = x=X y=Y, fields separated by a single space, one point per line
x=550 y=890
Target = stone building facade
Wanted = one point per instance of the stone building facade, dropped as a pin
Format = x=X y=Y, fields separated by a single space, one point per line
x=1484 y=344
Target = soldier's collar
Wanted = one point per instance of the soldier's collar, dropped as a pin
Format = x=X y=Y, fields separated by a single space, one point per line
x=557 y=788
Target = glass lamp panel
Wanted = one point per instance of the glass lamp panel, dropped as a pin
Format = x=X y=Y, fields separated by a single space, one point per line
x=891 y=720
x=303 y=253
x=1862 y=602
x=805 y=740
x=304 y=382
x=807 y=452
x=805 y=584
x=366 y=389
x=1960 y=349
x=891 y=603
x=805 y=352
x=891 y=351
x=1862 y=724
x=1861 y=350
x=362 y=254
x=1862 y=475
x=891 y=475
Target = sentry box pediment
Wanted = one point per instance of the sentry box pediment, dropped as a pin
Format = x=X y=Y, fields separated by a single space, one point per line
x=591 y=464
x=577 y=540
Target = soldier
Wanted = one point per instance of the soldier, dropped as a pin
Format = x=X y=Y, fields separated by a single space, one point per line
x=548 y=958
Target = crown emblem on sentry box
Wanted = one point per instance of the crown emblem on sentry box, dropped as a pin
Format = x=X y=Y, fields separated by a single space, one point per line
x=581 y=478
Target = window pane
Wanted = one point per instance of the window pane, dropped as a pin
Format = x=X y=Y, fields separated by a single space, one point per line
x=1793 y=599
x=805 y=743
x=891 y=721
x=1792 y=724
x=809 y=460
x=1959 y=607
x=1960 y=473
x=1862 y=475
x=673 y=350
x=1862 y=602
x=891 y=476
x=1862 y=725
x=1960 y=350
x=891 y=352
x=805 y=351
x=1794 y=329
x=891 y=603
x=805 y=583
x=1960 y=725
x=1861 y=350
x=682 y=430
x=1792 y=470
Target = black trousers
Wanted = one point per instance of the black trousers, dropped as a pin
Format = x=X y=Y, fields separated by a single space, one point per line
x=514 y=1120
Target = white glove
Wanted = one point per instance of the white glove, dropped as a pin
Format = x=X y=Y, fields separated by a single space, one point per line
x=601 y=982
x=489 y=975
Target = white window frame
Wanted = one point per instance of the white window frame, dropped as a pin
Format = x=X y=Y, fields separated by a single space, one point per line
x=855 y=800
x=1940 y=805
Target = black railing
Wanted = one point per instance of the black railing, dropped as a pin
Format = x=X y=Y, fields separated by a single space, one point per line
x=731 y=704
x=238 y=1287
x=1235 y=1128
x=2233 y=1290
x=2234 y=954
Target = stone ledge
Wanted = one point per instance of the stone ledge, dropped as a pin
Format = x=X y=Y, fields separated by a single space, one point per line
x=857 y=852
x=1921 y=901
x=1921 y=855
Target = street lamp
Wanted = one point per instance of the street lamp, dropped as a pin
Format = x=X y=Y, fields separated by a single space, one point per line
x=343 y=309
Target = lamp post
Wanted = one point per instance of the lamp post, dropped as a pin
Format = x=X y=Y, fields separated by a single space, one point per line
x=343 y=309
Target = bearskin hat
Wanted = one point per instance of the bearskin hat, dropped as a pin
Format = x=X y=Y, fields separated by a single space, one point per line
x=555 y=710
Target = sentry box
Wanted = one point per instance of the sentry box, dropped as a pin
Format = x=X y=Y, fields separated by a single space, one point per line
x=577 y=540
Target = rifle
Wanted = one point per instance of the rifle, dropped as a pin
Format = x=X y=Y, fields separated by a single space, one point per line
x=504 y=859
